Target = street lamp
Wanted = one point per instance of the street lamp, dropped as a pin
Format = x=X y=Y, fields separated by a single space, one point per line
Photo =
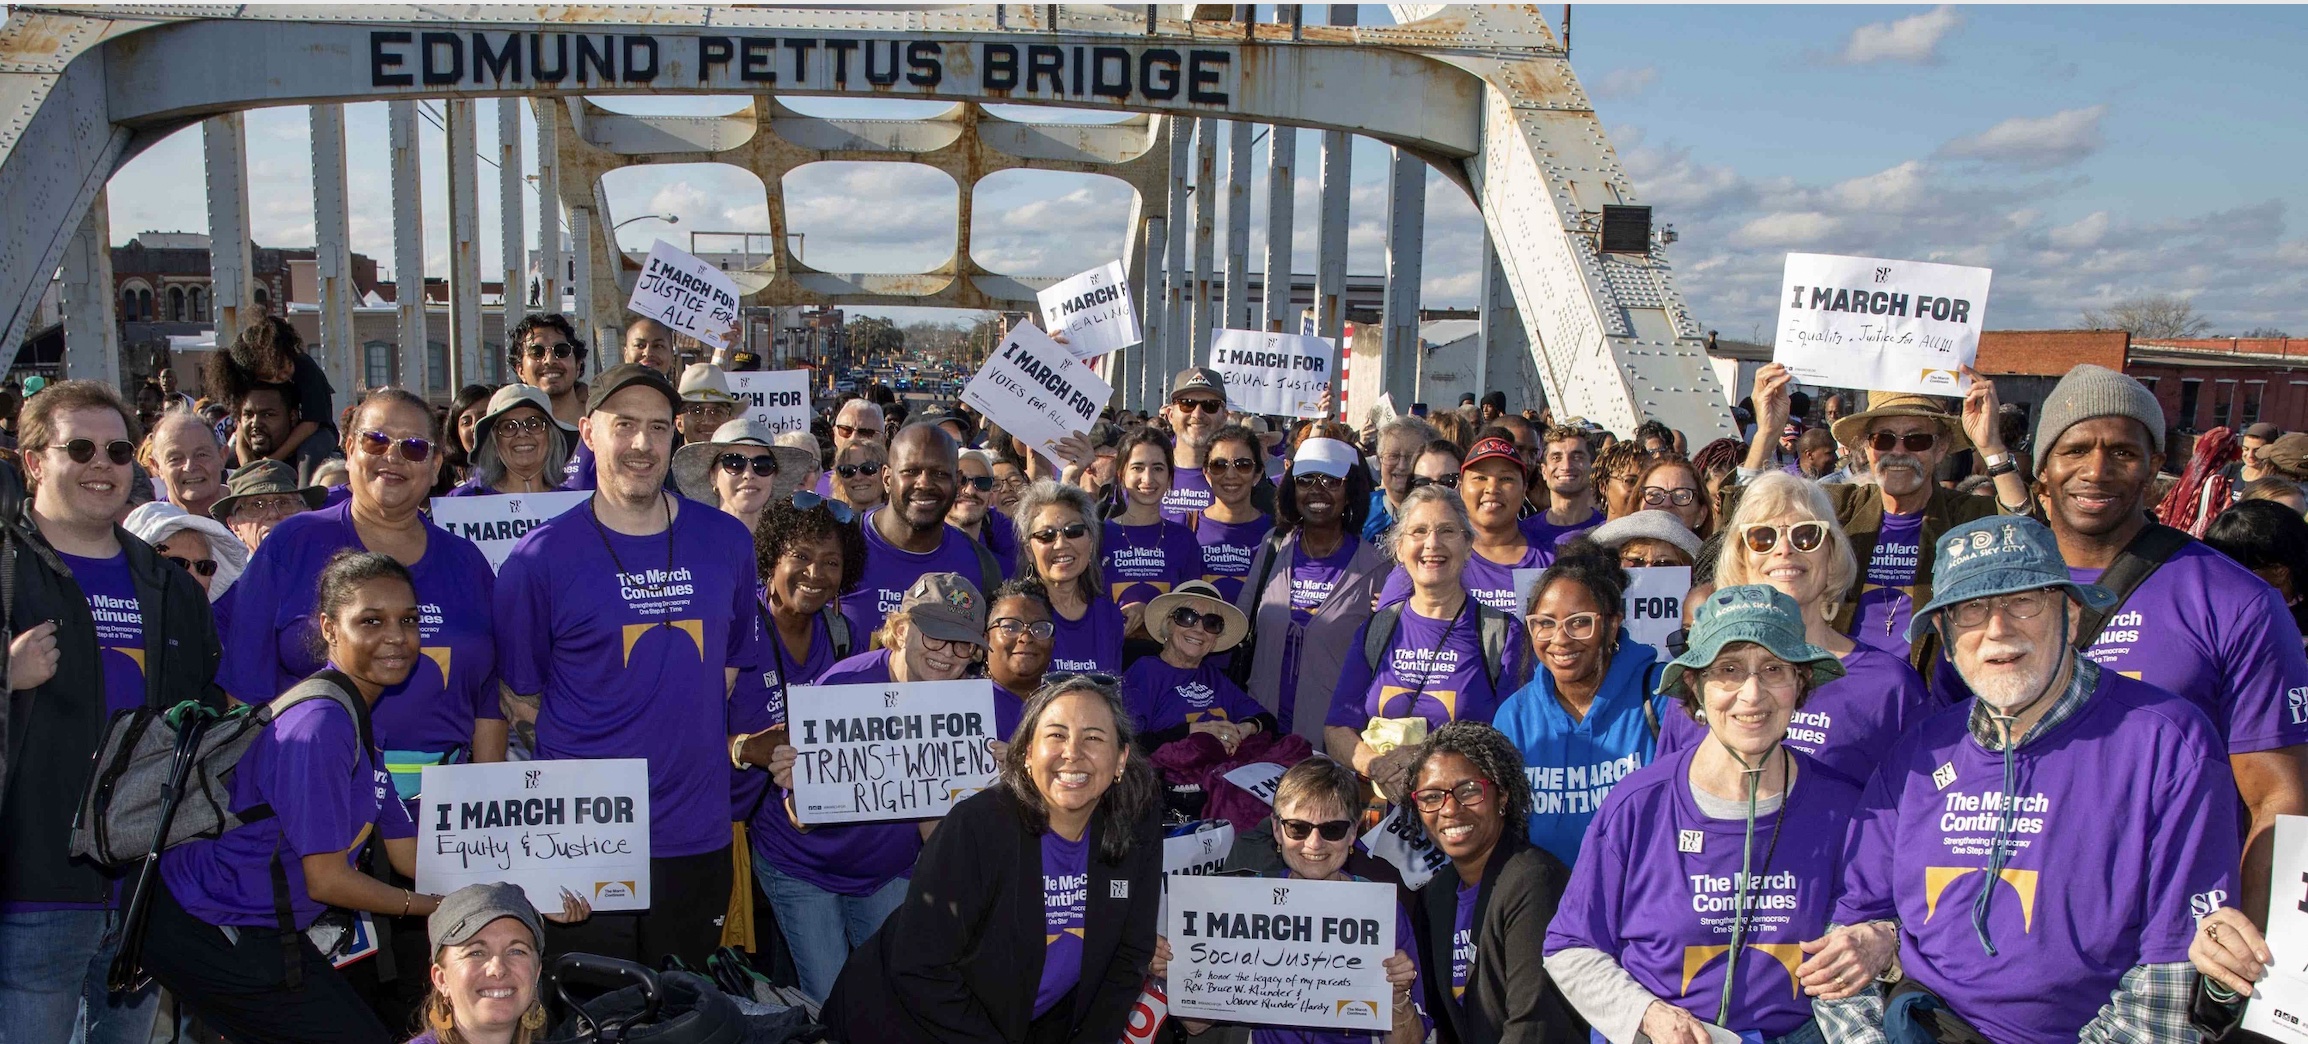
x=669 y=219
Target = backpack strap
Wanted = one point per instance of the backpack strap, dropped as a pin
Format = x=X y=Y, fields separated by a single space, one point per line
x=1495 y=627
x=2134 y=564
x=323 y=685
x=1383 y=624
x=989 y=570
x=1651 y=698
x=836 y=631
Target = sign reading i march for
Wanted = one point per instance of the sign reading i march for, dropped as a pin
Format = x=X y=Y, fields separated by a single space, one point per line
x=1036 y=390
x=777 y=398
x=2279 y=1005
x=897 y=751
x=1272 y=373
x=582 y=825
x=1653 y=605
x=1095 y=311
x=1867 y=322
x=1281 y=951
x=496 y=522
x=687 y=294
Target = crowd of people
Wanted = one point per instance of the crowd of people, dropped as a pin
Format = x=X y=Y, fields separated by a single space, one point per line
x=1972 y=731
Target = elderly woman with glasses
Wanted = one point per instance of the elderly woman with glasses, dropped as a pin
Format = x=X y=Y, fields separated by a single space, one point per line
x=1706 y=872
x=1180 y=692
x=1492 y=484
x=1669 y=483
x=1784 y=534
x=1058 y=541
x=518 y=446
x=1310 y=587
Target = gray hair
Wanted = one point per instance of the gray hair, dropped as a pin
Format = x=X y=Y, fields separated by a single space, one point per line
x=1407 y=426
x=1046 y=494
x=802 y=440
x=489 y=468
x=1443 y=495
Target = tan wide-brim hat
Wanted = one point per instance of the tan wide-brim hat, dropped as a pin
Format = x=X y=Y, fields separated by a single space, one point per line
x=1851 y=430
x=693 y=464
x=1202 y=598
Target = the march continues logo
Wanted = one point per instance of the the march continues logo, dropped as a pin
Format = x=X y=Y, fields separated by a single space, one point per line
x=1578 y=789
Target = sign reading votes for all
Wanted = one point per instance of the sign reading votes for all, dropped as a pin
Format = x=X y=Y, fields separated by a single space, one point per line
x=897 y=751
x=1036 y=390
x=689 y=295
x=582 y=825
x=1281 y=951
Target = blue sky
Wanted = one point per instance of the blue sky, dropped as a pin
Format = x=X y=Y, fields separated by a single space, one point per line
x=2087 y=153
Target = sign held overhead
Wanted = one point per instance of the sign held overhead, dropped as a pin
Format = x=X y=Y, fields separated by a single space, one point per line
x=1095 y=311
x=1870 y=322
x=688 y=294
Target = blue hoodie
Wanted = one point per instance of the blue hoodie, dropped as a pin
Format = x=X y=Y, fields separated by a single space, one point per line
x=1571 y=765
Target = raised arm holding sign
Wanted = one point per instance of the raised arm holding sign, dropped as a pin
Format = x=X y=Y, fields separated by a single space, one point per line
x=1036 y=390
x=1869 y=322
x=688 y=294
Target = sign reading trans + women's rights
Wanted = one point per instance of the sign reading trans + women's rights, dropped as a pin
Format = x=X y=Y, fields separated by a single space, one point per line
x=880 y=752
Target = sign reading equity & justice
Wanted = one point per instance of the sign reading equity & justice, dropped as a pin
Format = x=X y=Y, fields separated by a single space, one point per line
x=686 y=293
x=1095 y=311
x=1272 y=373
x=1282 y=952
x=897 y=751
x=1868 y=322
x=496 y=522
x=1036 y=390
x=544 y=825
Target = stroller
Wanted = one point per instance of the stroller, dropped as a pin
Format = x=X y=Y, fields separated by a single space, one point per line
x=731 y=1005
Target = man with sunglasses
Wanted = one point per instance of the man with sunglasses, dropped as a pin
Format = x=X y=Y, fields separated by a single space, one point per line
x=907 y=537
x=546 y=353
x=858 y=420
x=1197 y=410
x=103 y=625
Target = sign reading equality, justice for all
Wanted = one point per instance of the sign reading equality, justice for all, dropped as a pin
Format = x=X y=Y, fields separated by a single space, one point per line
x=582 y=825
x=1281 y=951
x=777 y=398
x=1036 y=390
x=496 y=522
x=686 y=293
x=896 y=751
x=1868 y=322
x=1272 y=373
x=1095 y=311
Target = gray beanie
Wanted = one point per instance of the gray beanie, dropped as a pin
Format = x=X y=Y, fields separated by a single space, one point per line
x=2090 y=391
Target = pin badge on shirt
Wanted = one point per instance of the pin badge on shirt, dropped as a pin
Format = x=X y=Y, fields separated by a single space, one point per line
x=1689 y=840
x=1118 y=890
x=1943 y=775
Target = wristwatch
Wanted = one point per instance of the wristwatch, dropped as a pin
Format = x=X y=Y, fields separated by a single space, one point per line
x=2000 y=464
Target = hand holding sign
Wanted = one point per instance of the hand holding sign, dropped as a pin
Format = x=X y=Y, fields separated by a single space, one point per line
x=1868 y=322
x=552 y=827
x=1036 y=390
x=1091 y=313
x=881 y=752
x=1282 y=952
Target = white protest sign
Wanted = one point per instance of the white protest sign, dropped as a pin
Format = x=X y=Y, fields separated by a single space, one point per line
x=1654 y=606
x=582 y=825
x=1095 y=311
x=1282 y=952
x=1868 y=322
x=1524 y=578
x=2279 y=1005
x=1198 y=852
x=1259 y=778
x=896 y=751
x=496 y=522
x=1401 y=840
x=777 y=398
x=1036 y=390
x=688 y=294
x=1272 y=373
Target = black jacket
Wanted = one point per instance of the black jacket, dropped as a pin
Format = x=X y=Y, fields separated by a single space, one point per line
x=962 y=959
x=55 y=728
x=1509 y=997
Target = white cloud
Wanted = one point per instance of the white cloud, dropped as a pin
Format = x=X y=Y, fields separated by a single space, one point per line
x=1914 y=39
x=2081 y=234
x=2034 y=141
x=1626 y=83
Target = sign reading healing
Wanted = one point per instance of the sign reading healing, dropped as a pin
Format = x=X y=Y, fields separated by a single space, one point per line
x=686 y=293
x=1036 y=390
x=1281 y=951
x=578 y=824
x=1867 y=322
x=882 y=752
x=496 y=522
x=1272 y=373
x=1094 y=310
x=776 y=398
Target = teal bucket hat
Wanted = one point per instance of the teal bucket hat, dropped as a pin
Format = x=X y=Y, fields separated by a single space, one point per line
x=1757 y=613
x=1997 y=555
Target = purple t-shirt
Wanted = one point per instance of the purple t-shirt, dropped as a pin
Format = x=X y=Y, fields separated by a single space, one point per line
x=1090 y=644
x=1463 y=938
x=1885 y=605
x=1313 y=579
x=1657 y=888
x=1433 y=669
x=2098 y=879
x=1189 y=493
x=890 y=569
x=1546 y=534
x=1491 y=583
x=1144 y=561
x=1065 y=900
x=757 y=702
x=1162 y=695
x=111 y=595
x=471 y=487
x=1227 y=548
x=273 y=643
x=578 y=472
x=630 y=654
x=1847 y=724
x=327 y=795
x=1001 y=538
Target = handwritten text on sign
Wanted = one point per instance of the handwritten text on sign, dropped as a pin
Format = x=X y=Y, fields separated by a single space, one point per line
x=582 y=825
x=776 y=398
x=1095 y=311
x=495 y=523
x=1282 y=952
x=1867 y=322
x=689 y=295
x=1272 y=373
x=2279 y=1006
x=881 y=752
x=1036 y=390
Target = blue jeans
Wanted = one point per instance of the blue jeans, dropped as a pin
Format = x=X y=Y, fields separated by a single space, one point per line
x=822 y=927
x=53 y=965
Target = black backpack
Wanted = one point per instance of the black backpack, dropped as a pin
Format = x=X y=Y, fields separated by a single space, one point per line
x=1496 y=628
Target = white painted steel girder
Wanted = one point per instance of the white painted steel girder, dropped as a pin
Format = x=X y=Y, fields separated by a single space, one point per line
x=1238 y=138
x=1281 y=200
x=1206 y=193
x=464 y=246
x=408 y=246
x=338 y=353
x=510 y=224
x=548 y=207
x=224 y=148
x=1405 y=265
x=91 y=338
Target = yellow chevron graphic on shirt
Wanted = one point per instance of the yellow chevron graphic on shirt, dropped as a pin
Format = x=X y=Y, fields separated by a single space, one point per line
x=1159 y=586
x=1937 y=878
x=134 y=655
x=1696 y=959
x=440 y=655
x=1213 y=714
x=1053 y=936
x=1449 y=698
x=694 y=628
x=2133 y=675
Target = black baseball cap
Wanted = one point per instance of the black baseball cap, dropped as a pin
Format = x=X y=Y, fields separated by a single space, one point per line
x=626 y=375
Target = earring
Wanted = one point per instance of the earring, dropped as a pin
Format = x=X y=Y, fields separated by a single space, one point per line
x=533 y=1019
x=437 y=1015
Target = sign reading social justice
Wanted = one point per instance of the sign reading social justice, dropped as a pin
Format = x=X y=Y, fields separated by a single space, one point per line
x=896 y=751
x=1282 y=952
x=497 y=522
x=1653 y=605
x=1036 y=390
x=580 y=824
x=778 y=399
x=1095 y=311
x=1868 y=322
x=686 y=293
x=1272 y=373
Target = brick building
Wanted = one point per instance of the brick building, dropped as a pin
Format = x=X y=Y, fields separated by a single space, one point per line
x=2202 y=384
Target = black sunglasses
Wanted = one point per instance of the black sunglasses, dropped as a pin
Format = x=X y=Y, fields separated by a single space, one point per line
x=734 y=463
x=119 y=451
x=1913 y=442
x=1678 y=642
x=204 y=567
x=1071 y=531
x=559 y=350
x=1185 y=616
x=1450 y=481
x=1297 y=829
x=869 y=469
x=808 y=498
x=981 y=483
x=1205 y=405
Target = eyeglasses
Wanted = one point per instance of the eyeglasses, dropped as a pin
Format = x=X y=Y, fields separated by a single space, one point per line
x=1205 y=405
x=118 y=451
x=2019 y=605
x=806 y=499
x=412 y=449
x=273 y=505
x=1777 y=674
x=1577 y=626
x=517 y=426
x=869 y=469
x=1317 y=480
x=940 y=645
x=1661 y=496
x=852 y=431
x=1802 y=536
x=1011 y=483
x=1450 y=481
x=1210 y=623
x=1221 y=467
x=205 y=567
x=981 y=483
x=559 y=350
x=1296 y=829
x=1011 y=627
x=1645 y=560
x=1050 y=534
x=1913 y=442
x=709 y=408
x=735 y=463
x=1470 y=794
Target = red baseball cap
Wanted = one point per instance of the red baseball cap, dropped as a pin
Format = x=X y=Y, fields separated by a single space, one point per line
x=1492 y=448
